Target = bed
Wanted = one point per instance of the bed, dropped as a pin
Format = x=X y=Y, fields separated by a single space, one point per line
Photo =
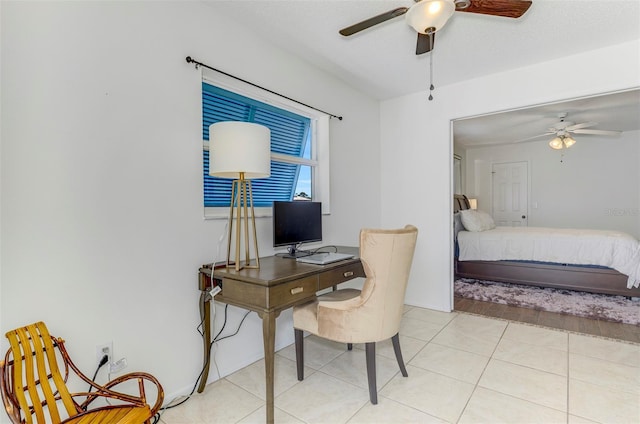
x=475 y=258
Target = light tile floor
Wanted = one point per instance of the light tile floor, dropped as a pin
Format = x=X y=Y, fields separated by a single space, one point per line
x=462 y=368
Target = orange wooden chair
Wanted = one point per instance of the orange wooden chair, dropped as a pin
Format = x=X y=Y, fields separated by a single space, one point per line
x=34 y=390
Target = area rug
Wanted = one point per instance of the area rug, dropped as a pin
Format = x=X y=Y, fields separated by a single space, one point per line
x=596 y=306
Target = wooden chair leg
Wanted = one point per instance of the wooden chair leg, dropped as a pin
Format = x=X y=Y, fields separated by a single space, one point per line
x=370 y=351
x=299 y=353
x=396 y=348
x=349 y=346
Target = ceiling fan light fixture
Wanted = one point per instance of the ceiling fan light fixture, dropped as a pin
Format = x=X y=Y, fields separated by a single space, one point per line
x=430 y=15
x=556 y=143
x=562 y=141
x=568 y=141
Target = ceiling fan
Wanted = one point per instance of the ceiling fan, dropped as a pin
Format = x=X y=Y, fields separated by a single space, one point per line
x=429 y=16
x=563 y=131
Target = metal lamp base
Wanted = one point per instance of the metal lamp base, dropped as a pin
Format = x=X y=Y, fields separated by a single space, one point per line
x=241 y=213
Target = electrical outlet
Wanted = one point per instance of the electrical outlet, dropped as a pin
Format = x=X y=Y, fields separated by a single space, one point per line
x=118 y=365
x=104 y=349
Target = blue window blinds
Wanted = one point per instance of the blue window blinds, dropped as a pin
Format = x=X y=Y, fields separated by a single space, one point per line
x=289 y=135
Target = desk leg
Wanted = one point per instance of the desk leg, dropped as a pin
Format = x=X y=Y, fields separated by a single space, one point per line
x=269 y=338
x=205 y=311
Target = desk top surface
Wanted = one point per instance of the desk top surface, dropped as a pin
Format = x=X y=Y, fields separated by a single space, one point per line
x=275 y=269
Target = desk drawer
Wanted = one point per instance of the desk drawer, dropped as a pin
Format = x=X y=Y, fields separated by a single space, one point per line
x=293 y=292
x=264 y=297
x=340 y=275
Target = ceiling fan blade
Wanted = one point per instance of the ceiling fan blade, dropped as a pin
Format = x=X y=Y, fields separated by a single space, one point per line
x=583 y=125
x=506 y=8
x=367 y=23
x=534 y=137
x=425 y=42
x=597 y=132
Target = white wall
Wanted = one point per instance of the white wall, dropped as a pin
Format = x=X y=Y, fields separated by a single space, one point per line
x=417 y=151
x=102 y=228
x=594 y=184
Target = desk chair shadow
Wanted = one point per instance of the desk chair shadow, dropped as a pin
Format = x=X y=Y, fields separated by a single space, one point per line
x=34 y=390
x=367 y=316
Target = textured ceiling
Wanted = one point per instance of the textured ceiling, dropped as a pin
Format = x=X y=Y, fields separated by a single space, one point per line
x=615 y=111
x=381 y=60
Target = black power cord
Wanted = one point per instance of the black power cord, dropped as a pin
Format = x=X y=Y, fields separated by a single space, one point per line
x=216 y=338
x=102 y=362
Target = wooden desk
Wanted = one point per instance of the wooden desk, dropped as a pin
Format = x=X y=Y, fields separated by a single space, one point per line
x=279 y=284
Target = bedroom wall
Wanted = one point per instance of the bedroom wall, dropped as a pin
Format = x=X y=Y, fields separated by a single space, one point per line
x=417 y=147
x=102 y=225
x=594 y=184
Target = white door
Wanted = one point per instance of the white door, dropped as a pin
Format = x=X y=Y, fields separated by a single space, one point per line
x=510 y=193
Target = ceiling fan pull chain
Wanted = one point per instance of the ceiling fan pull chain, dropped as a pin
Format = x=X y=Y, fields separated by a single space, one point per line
x=431 y=87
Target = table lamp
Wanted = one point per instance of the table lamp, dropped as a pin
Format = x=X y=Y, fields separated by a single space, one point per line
x=241 y=151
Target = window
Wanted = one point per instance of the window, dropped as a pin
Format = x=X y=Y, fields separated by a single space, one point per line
x=295 y=138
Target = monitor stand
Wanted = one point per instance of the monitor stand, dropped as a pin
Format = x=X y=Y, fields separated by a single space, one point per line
x=293 y=252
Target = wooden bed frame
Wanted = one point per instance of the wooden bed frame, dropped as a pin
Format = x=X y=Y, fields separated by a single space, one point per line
x=569 y=277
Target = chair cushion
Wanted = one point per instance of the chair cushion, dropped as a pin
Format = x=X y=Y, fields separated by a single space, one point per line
x=342 y=294
x=305 y=317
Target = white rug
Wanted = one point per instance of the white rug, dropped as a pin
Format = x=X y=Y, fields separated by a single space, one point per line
x=596 y=306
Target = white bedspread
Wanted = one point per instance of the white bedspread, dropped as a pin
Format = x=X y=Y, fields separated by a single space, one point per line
x=612 y=249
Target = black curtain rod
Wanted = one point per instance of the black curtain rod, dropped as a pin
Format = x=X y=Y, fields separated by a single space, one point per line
x=190 y=60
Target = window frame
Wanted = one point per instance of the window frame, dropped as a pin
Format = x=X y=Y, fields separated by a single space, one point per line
x=319 y=134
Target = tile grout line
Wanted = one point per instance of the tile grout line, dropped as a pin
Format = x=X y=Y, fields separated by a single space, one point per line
x=553 y=328
x=477 y=383
x=427 y=342
x=568 y=375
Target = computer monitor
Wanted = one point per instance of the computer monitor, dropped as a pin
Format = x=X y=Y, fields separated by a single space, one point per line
x=295 y=223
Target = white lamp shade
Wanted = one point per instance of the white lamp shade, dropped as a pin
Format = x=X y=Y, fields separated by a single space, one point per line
x=236 y=147
x=429 y=14
x=473 y=203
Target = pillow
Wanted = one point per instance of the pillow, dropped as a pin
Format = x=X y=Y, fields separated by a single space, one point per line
x=457 y=224
x=475 y=220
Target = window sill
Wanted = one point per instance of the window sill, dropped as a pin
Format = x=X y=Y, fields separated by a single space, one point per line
x=223 y=213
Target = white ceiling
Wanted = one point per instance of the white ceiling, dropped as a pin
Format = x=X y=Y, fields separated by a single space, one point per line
x=613 y=111
x=381 y=60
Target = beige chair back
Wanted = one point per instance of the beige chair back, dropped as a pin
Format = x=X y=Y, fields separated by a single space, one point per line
x=375 y=314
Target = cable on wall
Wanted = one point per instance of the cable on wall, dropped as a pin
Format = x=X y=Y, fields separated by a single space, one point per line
x=190 y=60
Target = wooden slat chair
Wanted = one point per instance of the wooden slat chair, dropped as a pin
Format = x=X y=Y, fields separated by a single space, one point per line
x=35 y=391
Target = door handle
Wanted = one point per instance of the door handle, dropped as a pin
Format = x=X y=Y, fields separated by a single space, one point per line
x=524 y=217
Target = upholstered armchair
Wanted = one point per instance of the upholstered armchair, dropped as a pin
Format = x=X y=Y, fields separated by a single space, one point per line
x=369 y=315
